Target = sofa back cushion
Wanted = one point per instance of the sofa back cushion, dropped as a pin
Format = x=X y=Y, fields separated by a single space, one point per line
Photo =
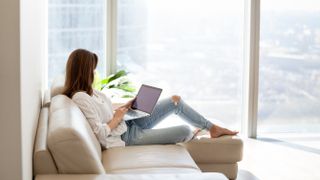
x=43 y=162
x=57 y=86
x=71 y=141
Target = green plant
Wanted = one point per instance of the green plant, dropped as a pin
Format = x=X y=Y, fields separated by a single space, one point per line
x=117 y=84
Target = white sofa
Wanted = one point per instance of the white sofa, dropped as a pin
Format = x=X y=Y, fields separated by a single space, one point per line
x=66 y=148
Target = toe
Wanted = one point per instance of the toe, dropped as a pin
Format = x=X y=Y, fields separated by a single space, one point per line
x=229 y=132
x=233 y=133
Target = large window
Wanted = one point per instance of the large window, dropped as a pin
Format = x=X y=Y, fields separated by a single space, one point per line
x=193 y=48
x=73 y=25
x=289 y=94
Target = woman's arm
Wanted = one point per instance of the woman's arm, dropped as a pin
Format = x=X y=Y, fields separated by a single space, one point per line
x=101 y=130
x=117 y=117
x=119 y=113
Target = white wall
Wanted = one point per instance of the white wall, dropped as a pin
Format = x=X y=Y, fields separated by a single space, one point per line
x=32 y=57
x=22 y=47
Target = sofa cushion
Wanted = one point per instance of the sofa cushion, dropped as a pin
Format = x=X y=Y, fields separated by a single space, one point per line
x=71 y=141
x=148 y=159
x=225 y=149
x=57 y=86
x=176 y=176
x=43 y=162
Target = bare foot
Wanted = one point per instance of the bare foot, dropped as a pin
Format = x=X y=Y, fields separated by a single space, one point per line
x=217 y=131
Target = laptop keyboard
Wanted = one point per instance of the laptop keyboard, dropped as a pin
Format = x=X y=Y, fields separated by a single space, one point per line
x=133 y=113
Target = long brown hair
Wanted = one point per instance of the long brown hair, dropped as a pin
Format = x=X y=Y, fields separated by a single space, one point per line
x=80 y=72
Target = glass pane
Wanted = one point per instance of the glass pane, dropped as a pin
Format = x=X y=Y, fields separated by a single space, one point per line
x=193 y=48
x=73 y=25
x=289 y=92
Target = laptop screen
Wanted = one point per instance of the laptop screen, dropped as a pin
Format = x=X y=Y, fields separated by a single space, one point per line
x=147 y=98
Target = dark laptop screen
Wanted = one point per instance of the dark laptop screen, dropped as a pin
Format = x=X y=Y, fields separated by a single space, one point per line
x=147 y=98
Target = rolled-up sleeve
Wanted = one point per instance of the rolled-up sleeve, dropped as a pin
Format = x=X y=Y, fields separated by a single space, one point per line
x=101 y=130
x=120 y=129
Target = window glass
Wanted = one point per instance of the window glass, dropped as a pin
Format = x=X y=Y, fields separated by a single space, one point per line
x=193 y=48
x=289 y=90
x=73 y=25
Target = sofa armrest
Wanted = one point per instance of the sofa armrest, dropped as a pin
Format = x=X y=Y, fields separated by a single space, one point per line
x=43 y=162
x=225 y=149
x=46 y=99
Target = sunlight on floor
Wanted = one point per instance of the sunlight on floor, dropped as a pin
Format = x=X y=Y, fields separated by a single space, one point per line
x=269 y=160
x=308 y=140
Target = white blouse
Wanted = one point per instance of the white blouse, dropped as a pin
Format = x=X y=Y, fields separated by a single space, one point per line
x=98 y=111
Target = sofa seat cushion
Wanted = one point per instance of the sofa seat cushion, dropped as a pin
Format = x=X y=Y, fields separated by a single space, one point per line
x=193 y=176
x=224 y=150
x=148 y=159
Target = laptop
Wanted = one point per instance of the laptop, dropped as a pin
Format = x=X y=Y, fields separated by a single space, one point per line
x=144 y=103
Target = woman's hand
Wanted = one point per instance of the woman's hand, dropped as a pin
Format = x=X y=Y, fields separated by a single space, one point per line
x=120 y=112
x=117 y=117
x=129 y=103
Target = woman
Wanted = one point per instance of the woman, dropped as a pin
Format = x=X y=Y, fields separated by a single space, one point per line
x=109 y=127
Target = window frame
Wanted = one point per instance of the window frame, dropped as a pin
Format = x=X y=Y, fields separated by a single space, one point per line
x=112 y=23
x=251 y=68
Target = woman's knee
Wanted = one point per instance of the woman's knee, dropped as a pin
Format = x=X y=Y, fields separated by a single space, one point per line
x=185 y=132
x=175 y=99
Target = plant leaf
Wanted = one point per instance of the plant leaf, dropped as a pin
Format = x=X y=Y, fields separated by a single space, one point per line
x=127 y=96
x=104 y=81
x=117 y=75
x=126 y=87
x=97 y=81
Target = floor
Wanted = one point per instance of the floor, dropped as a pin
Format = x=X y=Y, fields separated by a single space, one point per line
x=305 y=141
x=273 y=159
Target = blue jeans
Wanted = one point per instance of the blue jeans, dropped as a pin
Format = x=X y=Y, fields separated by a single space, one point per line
x=139 y=130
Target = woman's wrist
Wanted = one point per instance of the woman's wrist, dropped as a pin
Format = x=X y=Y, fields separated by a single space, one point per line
x=113 y=123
